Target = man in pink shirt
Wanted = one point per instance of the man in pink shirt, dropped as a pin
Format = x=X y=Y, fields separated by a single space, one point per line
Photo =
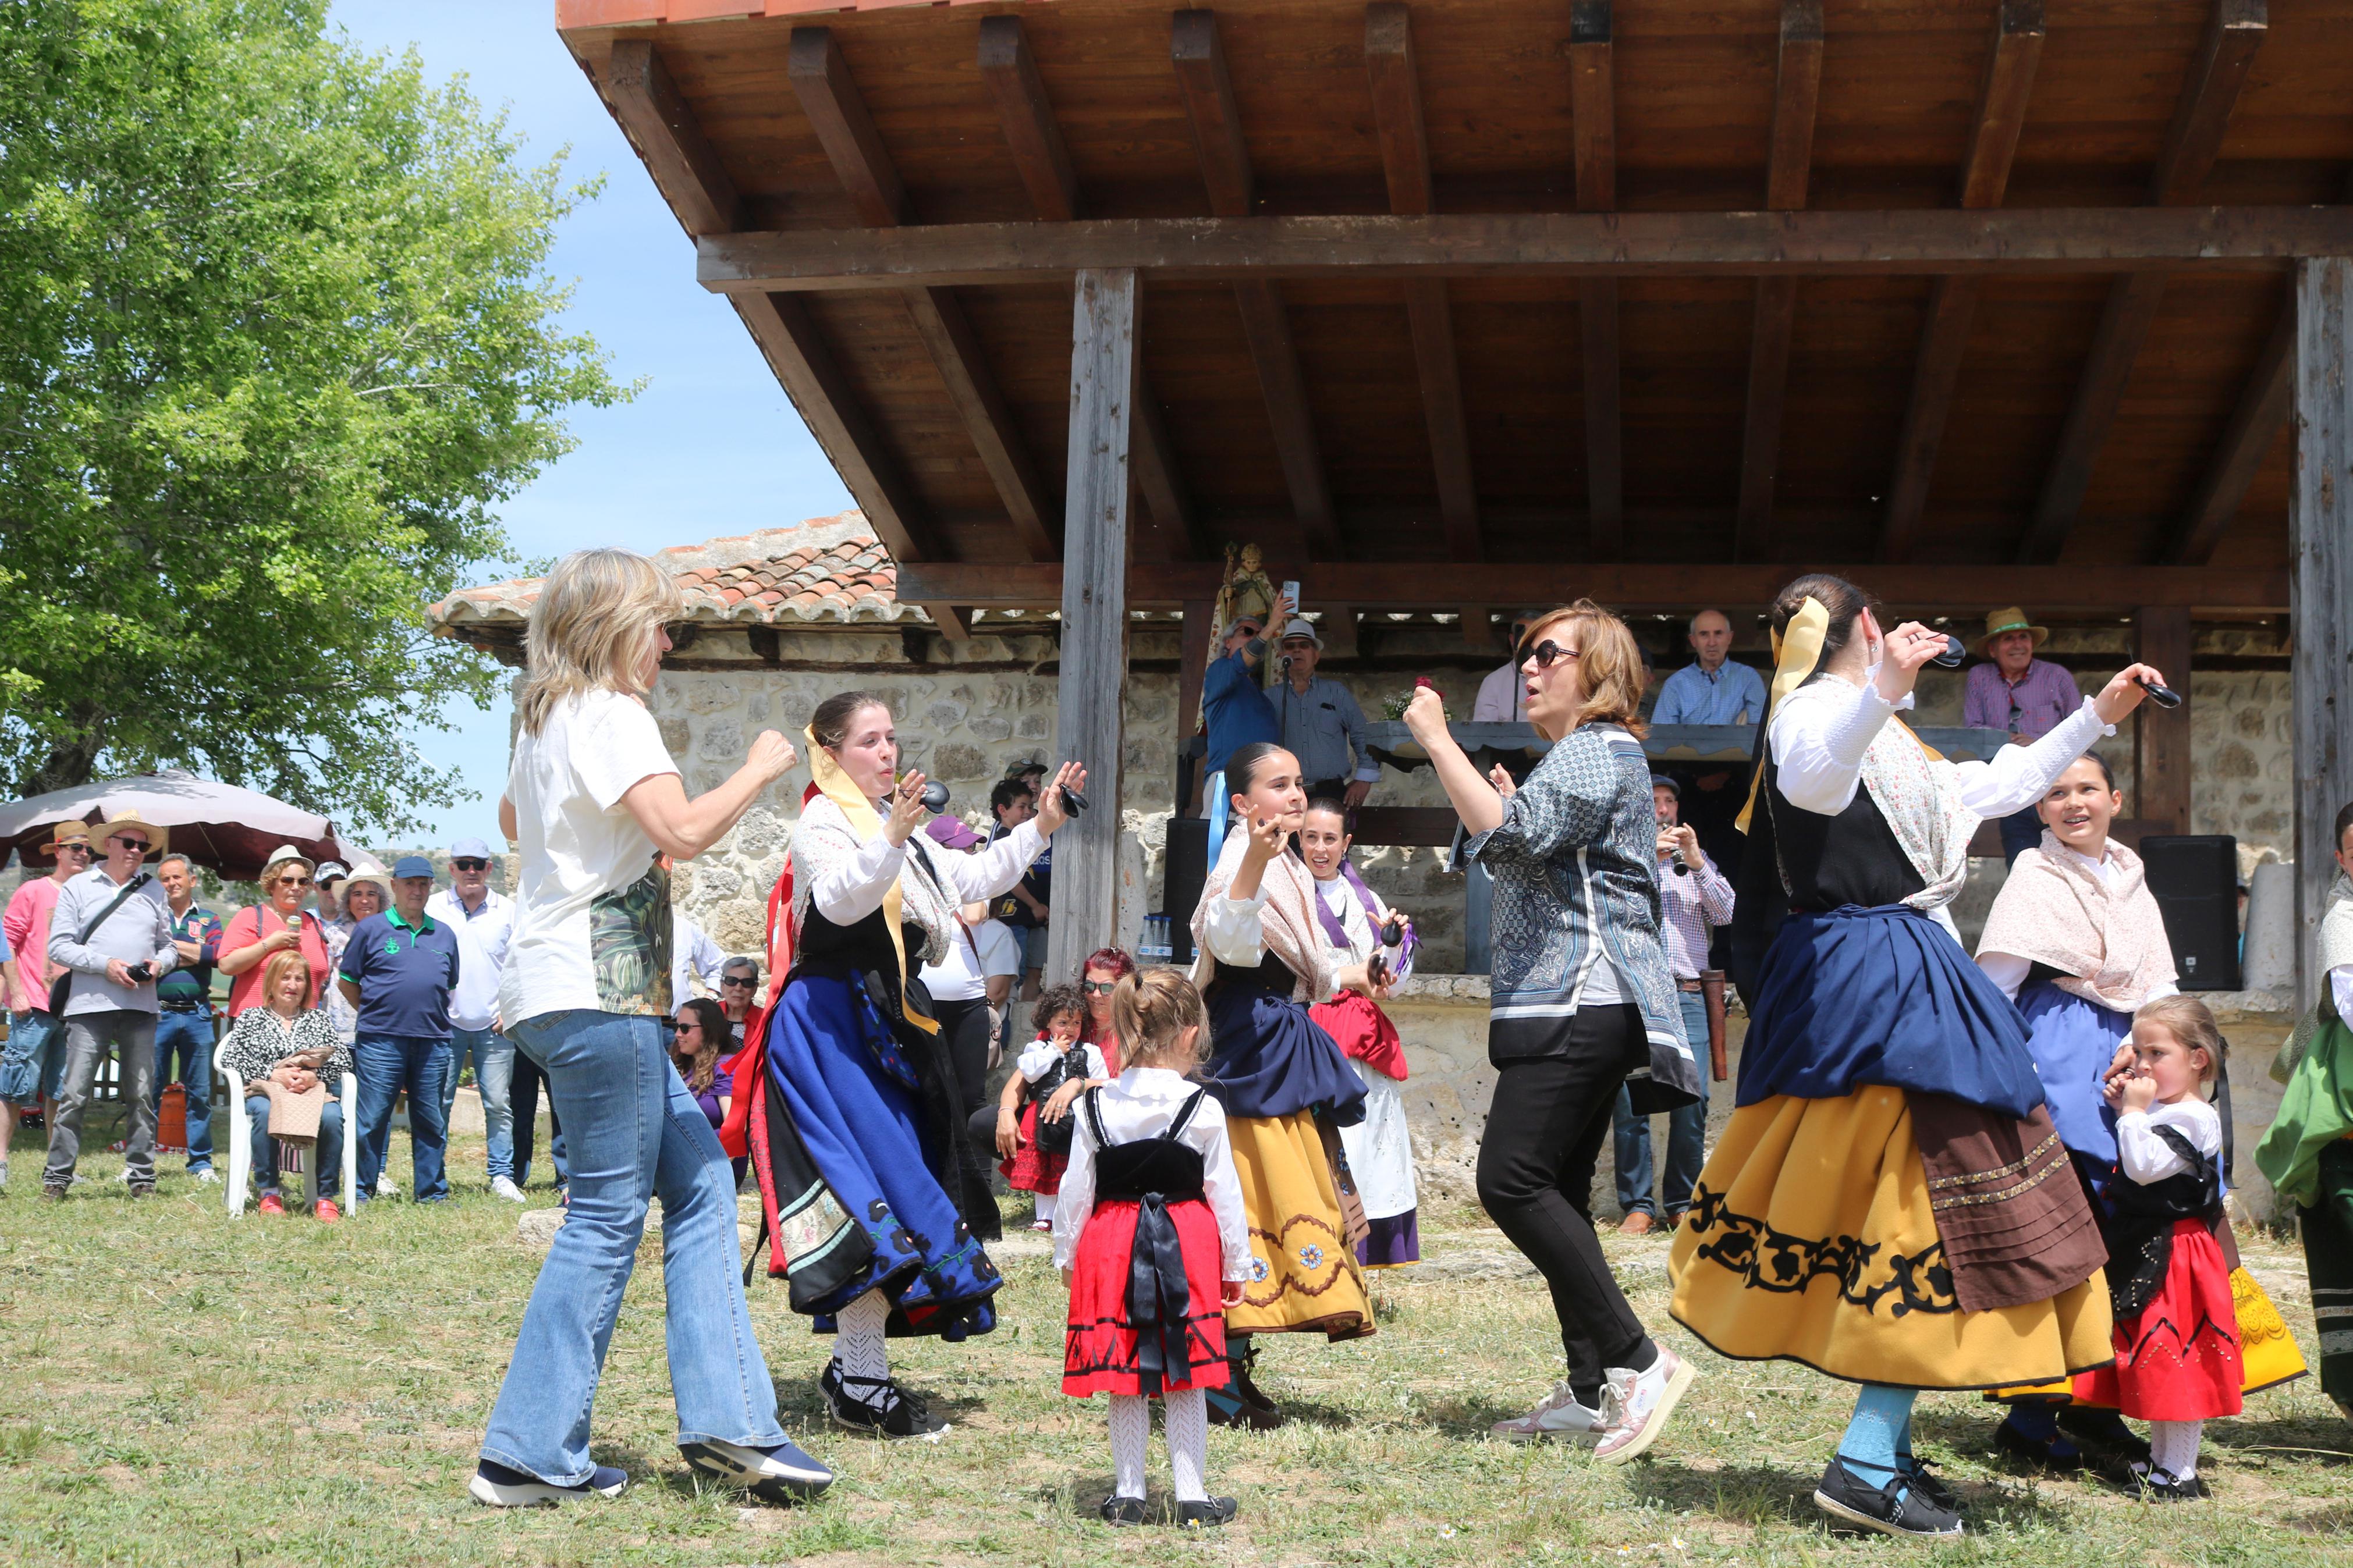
x=35 y=1058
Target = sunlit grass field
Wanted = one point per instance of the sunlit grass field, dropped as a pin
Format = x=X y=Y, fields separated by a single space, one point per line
x=180 y=1387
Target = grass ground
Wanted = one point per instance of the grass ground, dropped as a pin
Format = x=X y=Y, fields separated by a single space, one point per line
x=180 y=1387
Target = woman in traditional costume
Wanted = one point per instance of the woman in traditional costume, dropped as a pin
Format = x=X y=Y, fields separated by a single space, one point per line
x=2307 y=1155
x=2076 y=939
x=1890 y=1204
x=1379 y=1149
x=1582 y=1001
x=1285 y=1087
x=853 y=1114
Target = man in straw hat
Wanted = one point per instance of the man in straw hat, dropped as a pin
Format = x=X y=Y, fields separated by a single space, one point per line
x=115 y=943
x=34 y=1063
x=2020 y=693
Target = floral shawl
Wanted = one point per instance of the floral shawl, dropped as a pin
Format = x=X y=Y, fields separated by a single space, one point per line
x=2108 y=943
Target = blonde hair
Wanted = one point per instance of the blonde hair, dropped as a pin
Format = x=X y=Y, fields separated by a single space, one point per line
x=280 y=964
x=1608 y=663
x=594 y=613
x=2187 y=1019
x=1150 y=1011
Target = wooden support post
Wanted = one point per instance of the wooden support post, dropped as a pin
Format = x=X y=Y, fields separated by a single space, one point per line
x=1797 y=90
x=1088 y=726
x=1593 y=115
x=1192 y=668
x=1338 y=629
x=2246 y=442
x=2162 y=749
x=2320 y=544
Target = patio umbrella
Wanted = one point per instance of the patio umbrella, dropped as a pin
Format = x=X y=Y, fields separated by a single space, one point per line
x=218 y=826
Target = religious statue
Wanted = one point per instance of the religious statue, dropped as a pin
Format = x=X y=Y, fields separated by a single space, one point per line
x=1246 y=590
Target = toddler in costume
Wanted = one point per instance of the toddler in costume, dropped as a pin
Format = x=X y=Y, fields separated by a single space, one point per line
x=1033 y=1144
x=1151 y=1238
x=2177 y=1332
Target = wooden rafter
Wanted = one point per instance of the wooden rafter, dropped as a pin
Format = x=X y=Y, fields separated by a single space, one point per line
x=1953 y=302
x=662 y=127
x=1208 y=92
x=836 y=111
x=1035 y=136
x=1593 y=114
x=2233 y=34
x=1796 y=89
x=1405 y=159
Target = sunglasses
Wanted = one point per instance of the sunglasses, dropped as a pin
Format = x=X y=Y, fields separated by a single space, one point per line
x=74 y=848
x=140 y=845
x=470 y=864
x=294 y=881
x=689 y=1028
x=743 y=981
x=1548 y=653
x=1098 y=987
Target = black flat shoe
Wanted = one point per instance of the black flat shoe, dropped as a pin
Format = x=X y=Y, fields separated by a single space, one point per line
x=1927 y=1482
x=2106 y=1430
x=1897 y=1508
x=2160 y=1486
x=876 y=1406
x=2042 y=1453
x=1229 y=1409
x=1207 y=1514
x=1123 y=1511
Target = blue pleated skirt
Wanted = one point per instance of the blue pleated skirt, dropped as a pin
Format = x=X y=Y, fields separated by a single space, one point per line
x=1272 y=1058
x=1884 y=996
x=2074 y=1040
x=864 y=1134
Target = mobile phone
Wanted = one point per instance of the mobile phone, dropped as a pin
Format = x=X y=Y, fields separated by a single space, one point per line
x=1291 y=591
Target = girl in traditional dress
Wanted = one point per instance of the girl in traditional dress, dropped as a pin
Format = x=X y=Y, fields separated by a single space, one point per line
x=1379 y=1150
x=1051 y=1073
x=846 y=1093
x=1583 y=1001
x=1153 y=1243
x=1285 y=1087
x=2177 y=1338
x=2075 y=938
x=1890 y=1204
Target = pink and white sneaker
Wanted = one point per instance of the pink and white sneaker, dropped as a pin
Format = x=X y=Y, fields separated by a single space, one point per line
x=1559 y=1418
x=1635 y=1405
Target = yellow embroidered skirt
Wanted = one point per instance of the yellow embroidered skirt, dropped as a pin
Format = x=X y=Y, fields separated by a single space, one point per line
x=1810 y=1238
x=1303 y=1272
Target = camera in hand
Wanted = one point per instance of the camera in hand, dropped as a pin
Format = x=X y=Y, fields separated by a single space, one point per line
x=140 y=973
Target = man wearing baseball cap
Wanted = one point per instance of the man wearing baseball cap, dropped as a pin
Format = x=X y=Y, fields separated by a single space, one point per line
x=1321 y=725
x=2020 y=693
x=399 y=970
x=484 y=919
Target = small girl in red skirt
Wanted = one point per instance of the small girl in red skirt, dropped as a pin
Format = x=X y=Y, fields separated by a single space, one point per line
x=1151 y=1239
x=2176 y=1335
x=1033 y=1143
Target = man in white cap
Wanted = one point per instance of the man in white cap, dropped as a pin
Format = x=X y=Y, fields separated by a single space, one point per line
x=484 y=919
x=1321 y=725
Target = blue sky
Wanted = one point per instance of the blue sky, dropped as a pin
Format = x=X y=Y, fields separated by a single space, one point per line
x=710 y=447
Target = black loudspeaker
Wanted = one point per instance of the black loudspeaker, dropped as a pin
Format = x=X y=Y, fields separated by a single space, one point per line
x=1186 y=869
x=2195 y=881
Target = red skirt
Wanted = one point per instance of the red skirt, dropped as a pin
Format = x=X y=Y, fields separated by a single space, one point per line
x=1363 y=1032
x=1031 y=1169
x=1100 y=1353
x=2178 y=1359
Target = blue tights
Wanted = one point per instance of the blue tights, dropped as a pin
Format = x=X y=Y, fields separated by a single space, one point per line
x=1878 y=1441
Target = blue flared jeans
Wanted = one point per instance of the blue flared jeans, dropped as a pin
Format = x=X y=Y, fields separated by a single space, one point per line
x=632 y=1132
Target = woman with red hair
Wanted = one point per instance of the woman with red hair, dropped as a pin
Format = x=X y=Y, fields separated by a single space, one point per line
x=1098 y=977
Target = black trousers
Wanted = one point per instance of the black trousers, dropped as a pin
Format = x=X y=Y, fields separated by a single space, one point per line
x=1537 y=1162
x=964 y=1027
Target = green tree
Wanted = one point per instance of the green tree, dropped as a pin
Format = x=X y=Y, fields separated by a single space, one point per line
x=275 y=338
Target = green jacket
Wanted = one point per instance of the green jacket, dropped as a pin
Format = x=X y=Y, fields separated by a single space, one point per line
x=2316 y=1065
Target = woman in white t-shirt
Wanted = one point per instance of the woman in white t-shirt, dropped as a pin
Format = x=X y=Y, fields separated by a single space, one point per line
x=850 y=1094
x=595 y=803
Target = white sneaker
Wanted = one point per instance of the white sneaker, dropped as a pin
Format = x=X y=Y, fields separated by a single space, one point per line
x=1635 y=1405
x=386 y=1187
x=505 y=1187
x=208 y=1177
x=1559 y=1417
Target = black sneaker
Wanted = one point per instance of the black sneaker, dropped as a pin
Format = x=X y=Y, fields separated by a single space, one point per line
x=1123 y=1511
x=1206 y=1514
x=1896 y=1508
x=781 y=1474
x=496 y=1486
x=877 y=1406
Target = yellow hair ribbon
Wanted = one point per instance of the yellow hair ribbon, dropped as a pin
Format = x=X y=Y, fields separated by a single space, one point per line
x=835 y=785
x=1795 y=653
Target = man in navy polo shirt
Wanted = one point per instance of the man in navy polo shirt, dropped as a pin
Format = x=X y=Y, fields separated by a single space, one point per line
x=399 y=970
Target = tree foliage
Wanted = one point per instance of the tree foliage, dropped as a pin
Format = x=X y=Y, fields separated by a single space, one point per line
x=275 y=338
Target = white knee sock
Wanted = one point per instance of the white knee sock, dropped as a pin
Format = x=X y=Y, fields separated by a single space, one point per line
x=857 y=1344
x=2173 y=1446
x=1131 y=1434
x=1187 y=1420
x=1046 y=1208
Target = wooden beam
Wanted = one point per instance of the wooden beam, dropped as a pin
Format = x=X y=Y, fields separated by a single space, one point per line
x=1593 y=104
x=1010 y=73
x=1088 y=725
x=2320 y=547
x=1798 y=82
x=1446 y=585
x=830 y=99
x=662 y=127
x=1207 y=89
x=1338 y=630
x=1593 y=117
x=1914 y=242
x=2162 y=758
x=2247 y=440
x=2233 y=33
x=1162 y=483
x=2002 y=97
x=1405 y=160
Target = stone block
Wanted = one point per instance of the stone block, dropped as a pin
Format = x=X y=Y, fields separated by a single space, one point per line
x=957 y=763
x=722 y=742
x=990 y=730
x=677 y=735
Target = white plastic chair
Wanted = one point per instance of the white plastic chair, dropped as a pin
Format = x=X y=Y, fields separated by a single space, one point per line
x=241 y=1144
